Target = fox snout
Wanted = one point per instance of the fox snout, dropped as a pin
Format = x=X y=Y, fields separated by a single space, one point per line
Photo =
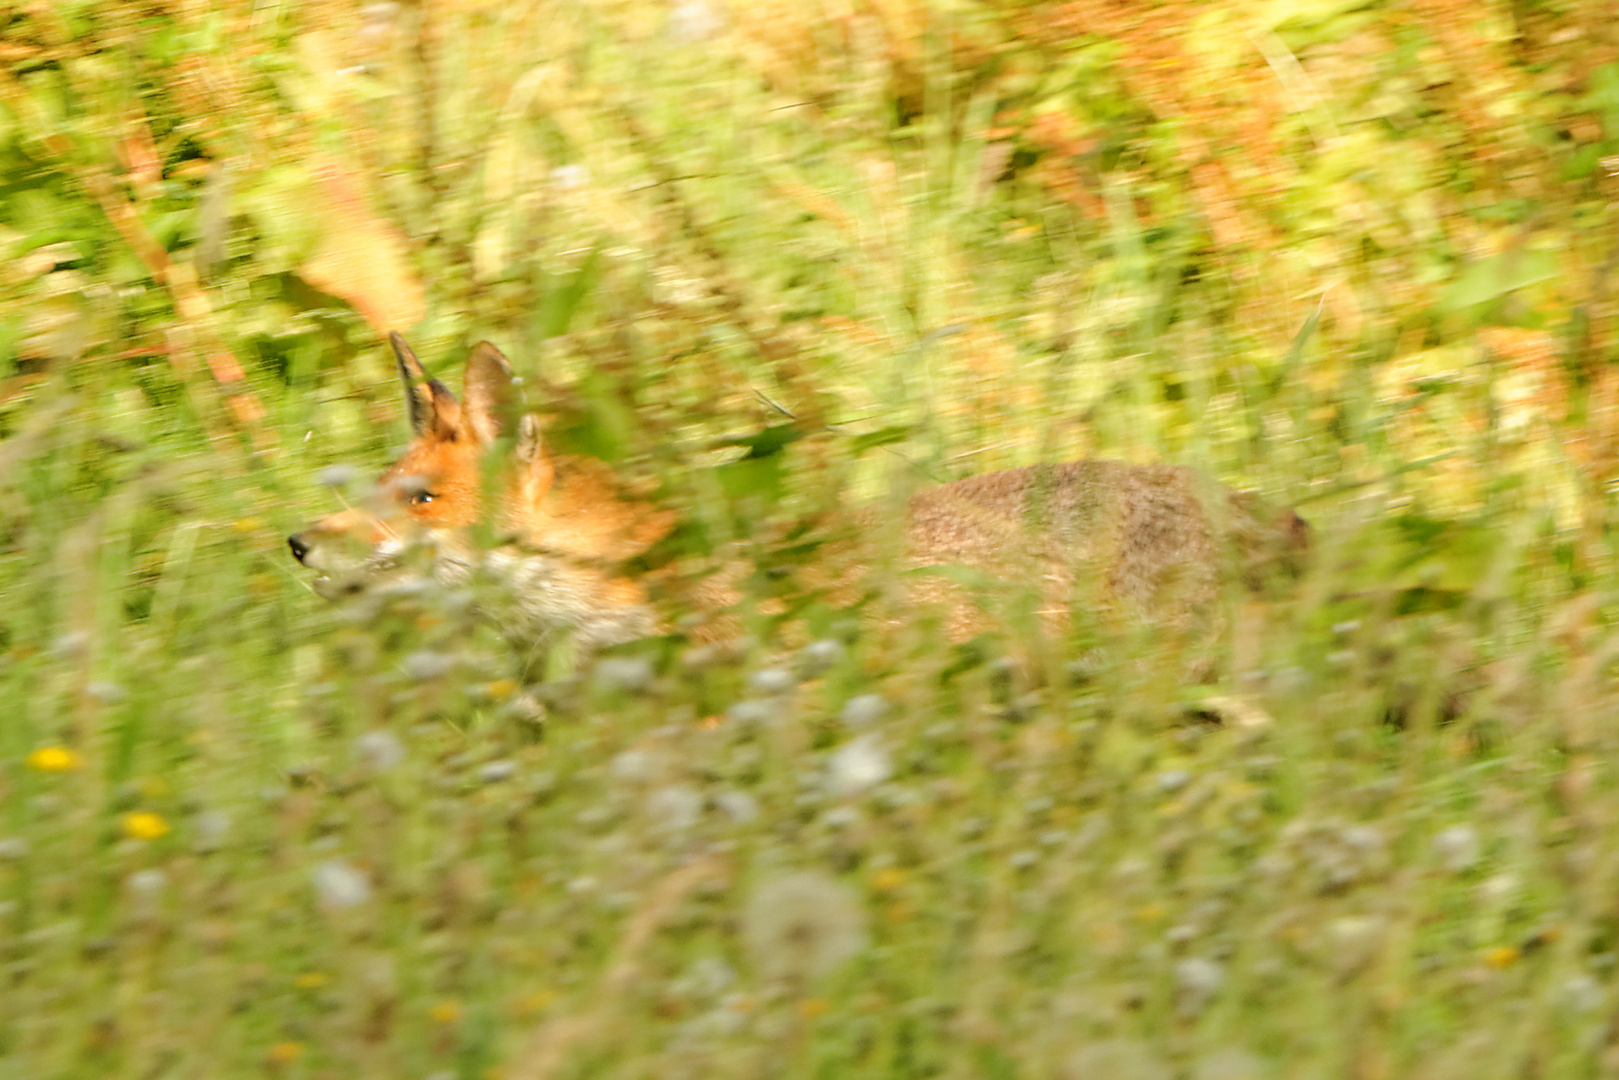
x=345 y=539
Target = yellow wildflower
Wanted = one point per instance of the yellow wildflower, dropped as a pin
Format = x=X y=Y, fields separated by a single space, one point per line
x=1502 y=956
x=537 y=1002
x=54 y=759
x=283 y=1052
x=887 y=879
x=145 y=825
x=311 y=980
x=445 y=1012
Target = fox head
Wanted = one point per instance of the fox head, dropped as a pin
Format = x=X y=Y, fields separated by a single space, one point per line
x=559 y=521
x=436 y=485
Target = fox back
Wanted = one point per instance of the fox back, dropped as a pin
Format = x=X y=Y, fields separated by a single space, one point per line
x=1152 y=543
x=1148 y=543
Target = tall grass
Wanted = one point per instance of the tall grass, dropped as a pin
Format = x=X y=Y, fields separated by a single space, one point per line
x=246 y=832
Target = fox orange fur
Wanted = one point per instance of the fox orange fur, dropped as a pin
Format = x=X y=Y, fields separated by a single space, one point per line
x=1154 y=542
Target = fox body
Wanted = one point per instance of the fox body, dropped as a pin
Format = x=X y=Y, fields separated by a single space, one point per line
x=1154 y=542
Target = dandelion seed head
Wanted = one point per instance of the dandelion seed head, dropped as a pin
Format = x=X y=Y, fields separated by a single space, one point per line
x=1172 y=780
x=1230 y=1063
x=1353 y=940
x=1363 y=838
x=841 y=817
x=493 y=772
x=772 y=682
x=338 y=476
x=739 y=805
x=211 y=828
x=338 y=885
x=709 y=977
x=570 y=177
x=857 y=765
x=1116 y=1059
x=146 y=882
x=694 y=21
x=1581 y=994
x=863 y=710
x=70 y=645
x=1498 y=887
x=1457 y=848
x=623 y=674
x=379 y=750
x=1197 y=980
x=820 y=656
x=748 y=712
x=425 y=665
x=675 y=808
x=803 y=926
x=108 y=693
x=633 y=767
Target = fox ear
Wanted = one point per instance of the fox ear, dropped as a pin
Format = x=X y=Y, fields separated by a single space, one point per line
x=429 y=404
x=418 y=405
x=530 y=447
x=538 y=470
x=488 y=392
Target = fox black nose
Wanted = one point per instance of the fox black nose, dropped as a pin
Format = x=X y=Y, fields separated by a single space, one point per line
x=299 y=547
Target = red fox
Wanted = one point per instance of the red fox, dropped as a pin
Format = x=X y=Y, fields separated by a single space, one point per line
x=1157 y=542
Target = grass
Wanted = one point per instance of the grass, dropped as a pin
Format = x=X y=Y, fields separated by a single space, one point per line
x=243 y=832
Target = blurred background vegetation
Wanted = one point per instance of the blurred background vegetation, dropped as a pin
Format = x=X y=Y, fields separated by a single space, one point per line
x=768 y=257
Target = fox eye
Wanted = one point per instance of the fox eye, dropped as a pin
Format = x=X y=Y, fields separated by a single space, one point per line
x=414 y=490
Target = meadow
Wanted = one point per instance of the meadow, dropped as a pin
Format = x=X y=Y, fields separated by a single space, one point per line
x=770 y=259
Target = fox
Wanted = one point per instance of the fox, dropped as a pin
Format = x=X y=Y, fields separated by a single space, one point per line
x=1153 y=543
